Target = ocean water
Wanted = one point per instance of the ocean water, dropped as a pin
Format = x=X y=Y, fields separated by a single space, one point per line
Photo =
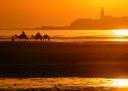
x=61 y=33
x=72 y=35
x=63 y=83
x=69 y=83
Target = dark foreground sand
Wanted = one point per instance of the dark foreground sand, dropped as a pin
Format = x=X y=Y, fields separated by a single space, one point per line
x=57 y=89
x=69 y=89
x=88 y=59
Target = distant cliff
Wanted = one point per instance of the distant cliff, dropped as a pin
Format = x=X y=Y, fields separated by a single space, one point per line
x=105 y=23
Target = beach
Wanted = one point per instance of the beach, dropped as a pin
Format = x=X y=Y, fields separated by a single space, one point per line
x=48 y=59
x=60 y=84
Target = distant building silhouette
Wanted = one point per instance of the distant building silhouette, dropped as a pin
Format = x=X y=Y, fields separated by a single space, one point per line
x=102 y=14
x=104 y=22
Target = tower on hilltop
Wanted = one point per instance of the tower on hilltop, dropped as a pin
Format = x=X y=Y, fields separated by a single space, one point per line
x=102 y=13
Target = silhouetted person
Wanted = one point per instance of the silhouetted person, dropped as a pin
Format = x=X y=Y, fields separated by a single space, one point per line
x=13 y=38
x=46 y=37
x=32 y=36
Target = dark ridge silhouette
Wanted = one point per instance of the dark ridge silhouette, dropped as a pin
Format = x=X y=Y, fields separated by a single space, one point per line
x=105 y=22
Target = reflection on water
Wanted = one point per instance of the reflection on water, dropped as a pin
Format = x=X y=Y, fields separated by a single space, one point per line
x=79 y=40
x=92 y=39
x=63 y=82
x=120 y=82
x=61 y=33
x=72 y=35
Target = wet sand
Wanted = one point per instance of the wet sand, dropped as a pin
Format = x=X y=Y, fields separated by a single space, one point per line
x=86 y=59
x=60 y=84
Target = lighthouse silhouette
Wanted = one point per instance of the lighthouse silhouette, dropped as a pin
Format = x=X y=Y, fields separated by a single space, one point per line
x=102 y=13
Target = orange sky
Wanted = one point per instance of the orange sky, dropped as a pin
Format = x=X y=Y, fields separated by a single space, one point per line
x=55 y=12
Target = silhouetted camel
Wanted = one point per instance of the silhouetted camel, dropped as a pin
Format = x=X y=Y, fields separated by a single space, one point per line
x=21 y=36
x=37 y=36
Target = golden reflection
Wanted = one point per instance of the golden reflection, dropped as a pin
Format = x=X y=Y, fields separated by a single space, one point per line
x=69 y=82
x=121 y=32
x=120 y=83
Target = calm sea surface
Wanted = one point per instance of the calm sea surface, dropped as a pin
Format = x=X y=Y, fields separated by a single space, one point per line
x=60 y=33
x=74 y=35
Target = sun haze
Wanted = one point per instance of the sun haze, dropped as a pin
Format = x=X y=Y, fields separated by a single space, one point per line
x=56 y=12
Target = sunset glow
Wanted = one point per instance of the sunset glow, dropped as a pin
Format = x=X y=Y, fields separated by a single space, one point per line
x=64 y=45
x=120 y=82
x=56 y=12
x=121 y=32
